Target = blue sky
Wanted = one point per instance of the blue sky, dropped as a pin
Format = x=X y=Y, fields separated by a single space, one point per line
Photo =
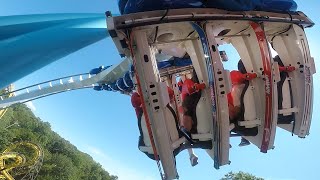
x=103 y=124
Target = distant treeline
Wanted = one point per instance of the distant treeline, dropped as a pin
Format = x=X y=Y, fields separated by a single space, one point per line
x=62 y=160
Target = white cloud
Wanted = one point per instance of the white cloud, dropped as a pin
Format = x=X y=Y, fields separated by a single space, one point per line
x=31 y=106
x=97 y=152
x=117 y=168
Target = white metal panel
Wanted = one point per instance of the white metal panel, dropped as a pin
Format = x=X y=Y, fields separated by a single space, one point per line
x=221 y=85
x=148 y=73
x=249 y=51
x=292 y=47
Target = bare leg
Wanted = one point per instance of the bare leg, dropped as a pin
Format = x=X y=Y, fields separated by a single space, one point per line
x=186 y=122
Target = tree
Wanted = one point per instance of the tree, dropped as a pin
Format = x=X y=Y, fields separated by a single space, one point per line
x=62 y=160
x=240 y=176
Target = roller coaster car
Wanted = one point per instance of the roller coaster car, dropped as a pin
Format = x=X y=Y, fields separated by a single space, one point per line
x=295 y=107
x=280 y=94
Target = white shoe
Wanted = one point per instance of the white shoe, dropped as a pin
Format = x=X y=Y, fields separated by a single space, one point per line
x=193 y=160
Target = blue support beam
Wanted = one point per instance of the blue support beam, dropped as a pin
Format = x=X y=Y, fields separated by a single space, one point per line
x=30 y=42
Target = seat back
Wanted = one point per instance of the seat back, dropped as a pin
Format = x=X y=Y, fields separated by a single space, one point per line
x=284 y=95
x=203 y=111
x=249 y=106
x=248 y=114
x=144 y=139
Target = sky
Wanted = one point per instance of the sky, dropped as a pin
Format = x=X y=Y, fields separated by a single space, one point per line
x=104 y=125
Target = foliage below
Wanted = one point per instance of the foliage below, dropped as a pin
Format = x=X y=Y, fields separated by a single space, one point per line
x=240 y=176
x=62 y=160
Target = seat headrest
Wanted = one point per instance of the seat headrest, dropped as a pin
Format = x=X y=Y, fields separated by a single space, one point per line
x=278 y=60
x=241 y=67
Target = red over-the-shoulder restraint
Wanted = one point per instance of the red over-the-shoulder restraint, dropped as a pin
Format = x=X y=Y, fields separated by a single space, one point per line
x=238 y=78
x=189 y=87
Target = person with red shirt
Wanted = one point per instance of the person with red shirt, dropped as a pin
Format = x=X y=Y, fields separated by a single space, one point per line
x=237 y=79
x=191 y=97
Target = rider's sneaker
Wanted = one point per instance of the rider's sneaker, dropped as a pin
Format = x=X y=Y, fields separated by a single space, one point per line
x=244 y=142
x=187 y=135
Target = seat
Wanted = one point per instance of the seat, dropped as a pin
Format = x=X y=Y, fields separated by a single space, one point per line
x=144 y=144
x=202 y=112
x=246 y=123
x=284 y=95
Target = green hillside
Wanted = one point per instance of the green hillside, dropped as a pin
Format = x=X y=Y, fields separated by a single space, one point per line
x=62 y=160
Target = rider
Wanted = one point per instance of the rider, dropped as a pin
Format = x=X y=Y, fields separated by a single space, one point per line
x=190 y=101
x=137 y=103
x=234 y=100
x=190 y=95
